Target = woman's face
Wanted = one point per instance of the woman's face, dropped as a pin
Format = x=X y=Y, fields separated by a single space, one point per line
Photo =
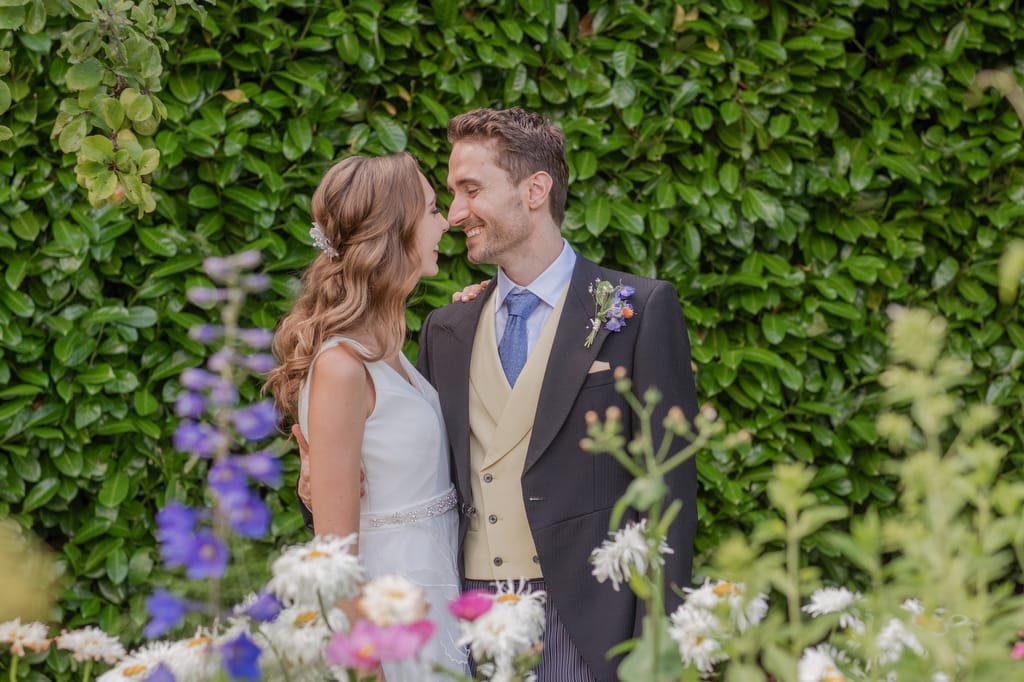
x=431 y=226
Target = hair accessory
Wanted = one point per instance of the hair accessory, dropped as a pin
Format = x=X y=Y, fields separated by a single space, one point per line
x=321 y=242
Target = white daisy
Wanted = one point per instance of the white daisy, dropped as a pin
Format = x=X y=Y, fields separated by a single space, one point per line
x=91 y=644
x=294 y=642
x=138 y=665
x=629 y=549
x=742 y=612
x=197 y=657
x=836 y=600
x=21 y=636
x=913 y=606
x=893 y=638
x=392 y=600
x=322 y=571
x=512 y=627
x=697 y=632
x=818 y=664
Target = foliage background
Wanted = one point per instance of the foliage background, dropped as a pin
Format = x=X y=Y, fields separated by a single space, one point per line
x=793 y=168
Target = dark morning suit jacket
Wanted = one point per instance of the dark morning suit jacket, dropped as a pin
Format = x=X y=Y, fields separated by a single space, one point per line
x=568 y=493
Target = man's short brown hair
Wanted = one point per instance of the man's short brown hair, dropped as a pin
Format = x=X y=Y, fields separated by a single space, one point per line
x=525 y=143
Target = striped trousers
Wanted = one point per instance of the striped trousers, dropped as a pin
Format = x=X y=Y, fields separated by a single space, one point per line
x=560 y=661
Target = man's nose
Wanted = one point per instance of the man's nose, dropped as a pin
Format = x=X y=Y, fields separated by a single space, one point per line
x=458 y=211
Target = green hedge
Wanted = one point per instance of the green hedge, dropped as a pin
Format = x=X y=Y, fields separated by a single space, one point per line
x=793 y=168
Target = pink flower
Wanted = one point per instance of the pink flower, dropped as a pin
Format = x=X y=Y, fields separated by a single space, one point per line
x=368 y=644
x=471 y=605
x=1018 y=651
x=422 y=629
x=359 y=648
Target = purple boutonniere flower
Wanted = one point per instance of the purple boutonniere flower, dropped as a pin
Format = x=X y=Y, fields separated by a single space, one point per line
x=612 y=308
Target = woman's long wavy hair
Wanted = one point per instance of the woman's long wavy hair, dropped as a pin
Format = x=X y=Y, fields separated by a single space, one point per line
x=368 y=208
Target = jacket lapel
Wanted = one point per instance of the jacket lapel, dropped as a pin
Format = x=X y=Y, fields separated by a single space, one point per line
x=451 y=378
x=563 y=379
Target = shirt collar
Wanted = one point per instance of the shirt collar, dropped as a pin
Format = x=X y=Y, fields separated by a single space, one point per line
x=548 y=286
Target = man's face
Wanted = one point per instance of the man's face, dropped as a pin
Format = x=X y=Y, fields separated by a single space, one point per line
x=491 y=210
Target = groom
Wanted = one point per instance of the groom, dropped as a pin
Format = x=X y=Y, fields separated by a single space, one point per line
x=516 y=379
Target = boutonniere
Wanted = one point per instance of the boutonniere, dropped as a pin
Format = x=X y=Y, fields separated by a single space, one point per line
x=613 y=307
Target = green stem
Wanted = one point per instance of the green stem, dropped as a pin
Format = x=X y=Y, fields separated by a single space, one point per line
x=793 y=574
x=14 y=668
x=87 y=672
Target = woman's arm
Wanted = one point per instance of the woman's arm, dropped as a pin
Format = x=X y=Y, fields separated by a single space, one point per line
x=341 y=398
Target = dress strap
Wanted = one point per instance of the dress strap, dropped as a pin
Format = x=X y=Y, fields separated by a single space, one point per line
x=432 y=507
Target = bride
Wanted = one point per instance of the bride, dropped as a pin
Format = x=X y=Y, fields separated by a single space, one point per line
x=362 y=407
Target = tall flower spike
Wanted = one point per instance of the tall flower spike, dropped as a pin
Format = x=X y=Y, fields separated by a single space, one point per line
x=321 y=242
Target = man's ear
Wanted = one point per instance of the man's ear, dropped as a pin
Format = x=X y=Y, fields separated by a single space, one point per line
x=538 y=187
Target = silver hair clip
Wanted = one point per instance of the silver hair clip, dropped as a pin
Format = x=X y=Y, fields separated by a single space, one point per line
x=321 y=242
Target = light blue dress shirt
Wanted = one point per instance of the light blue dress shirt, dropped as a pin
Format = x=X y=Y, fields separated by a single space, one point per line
x=548 y=287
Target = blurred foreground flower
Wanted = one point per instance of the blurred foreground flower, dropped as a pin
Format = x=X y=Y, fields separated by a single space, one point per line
x=505 y=639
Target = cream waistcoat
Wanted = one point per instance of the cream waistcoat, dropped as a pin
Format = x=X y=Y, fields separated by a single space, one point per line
x=499 y=544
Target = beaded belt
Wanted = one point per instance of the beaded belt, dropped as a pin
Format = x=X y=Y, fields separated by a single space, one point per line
x=435 y=507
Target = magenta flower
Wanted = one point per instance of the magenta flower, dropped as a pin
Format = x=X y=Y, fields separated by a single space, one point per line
x=368 y=644
x=359 y=648
x=471 y=605
x=1018 y=651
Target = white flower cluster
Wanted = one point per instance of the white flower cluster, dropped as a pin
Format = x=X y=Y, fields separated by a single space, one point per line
x=393 y=600
x=322 y=571
x=293 y=643
x=186 y=659
x=21 y=636
x=511 y=628
x=91 y=644
x=698 y=627
x=629 y=550
x=818 y=664
x=836 y=600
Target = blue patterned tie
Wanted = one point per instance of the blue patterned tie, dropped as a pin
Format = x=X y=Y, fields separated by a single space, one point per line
x=512 y=349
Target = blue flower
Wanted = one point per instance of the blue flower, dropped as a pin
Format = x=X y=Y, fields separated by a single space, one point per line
x=166 y=612
x=614 y=324
x=161 y=674
x=265 y=608
x=209 y=557
x=205 y=295
x=241 y=658
x=189 y=404
x=257 y=421
x=256 y=337
x=223 y=392
x=176 y=532
x=264 y=467
x=196 y=379
x=625 y=291
x=260 y=363
x=247 y=513
x=226 y=477
x=205 y=333
x=257 y=282
x=198 y=438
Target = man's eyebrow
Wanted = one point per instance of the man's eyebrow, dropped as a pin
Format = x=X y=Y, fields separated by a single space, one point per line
x=462 y=182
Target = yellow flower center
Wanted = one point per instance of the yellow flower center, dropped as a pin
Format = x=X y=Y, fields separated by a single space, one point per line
x=199 y=641
x=725 y=589
x=315 y=554
x=305 y=618
x=133 y=670
x=366 y=650
x=508 y=598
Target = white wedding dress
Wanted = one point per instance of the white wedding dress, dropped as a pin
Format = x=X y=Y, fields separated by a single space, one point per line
x=408 y=521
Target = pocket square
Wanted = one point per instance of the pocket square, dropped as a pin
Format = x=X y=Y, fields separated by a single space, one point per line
x=599 y=366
